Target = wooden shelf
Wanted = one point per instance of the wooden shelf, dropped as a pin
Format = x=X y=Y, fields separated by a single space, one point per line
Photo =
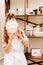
x=28 y=56
x=26 y=15
x=34 y=15
x=34 y=36
x=29 y=15
x=20 y=15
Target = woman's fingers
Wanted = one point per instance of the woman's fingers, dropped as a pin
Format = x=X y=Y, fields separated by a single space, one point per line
x=12 y=35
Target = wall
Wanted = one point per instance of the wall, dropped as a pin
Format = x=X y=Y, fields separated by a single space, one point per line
x=2 y=18
x=34 y=43
x=14 y=4
x=31 y=3
x=35 y=3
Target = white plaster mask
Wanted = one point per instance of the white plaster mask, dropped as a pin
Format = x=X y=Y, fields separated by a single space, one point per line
x=12 y=26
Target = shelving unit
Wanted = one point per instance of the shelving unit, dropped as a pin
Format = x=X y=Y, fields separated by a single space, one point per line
x=28 y=55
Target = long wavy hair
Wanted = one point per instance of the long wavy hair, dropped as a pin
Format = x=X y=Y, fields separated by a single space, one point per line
x=5 y=36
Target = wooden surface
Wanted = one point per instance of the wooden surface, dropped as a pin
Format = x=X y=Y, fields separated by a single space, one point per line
x=30 y=15
x=28 y=56
x=34 y=15
x=34 y=36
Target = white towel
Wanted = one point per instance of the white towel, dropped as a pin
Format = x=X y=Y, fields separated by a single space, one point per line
x=11 y=25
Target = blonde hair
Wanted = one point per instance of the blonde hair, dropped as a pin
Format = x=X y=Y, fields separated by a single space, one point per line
x=5 y=36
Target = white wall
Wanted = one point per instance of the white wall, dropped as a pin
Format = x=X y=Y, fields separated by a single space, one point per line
x=35 y=3
x=35 y=42
x=14 y=4
x=2 y=18
x=31 y=3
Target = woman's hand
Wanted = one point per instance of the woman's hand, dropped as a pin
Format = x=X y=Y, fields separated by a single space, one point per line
x=19 y=34
x=11 y=36
x=7 y=48
x=24 y=41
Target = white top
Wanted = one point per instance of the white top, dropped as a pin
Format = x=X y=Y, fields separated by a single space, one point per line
x=16 y=55
x=17 y=45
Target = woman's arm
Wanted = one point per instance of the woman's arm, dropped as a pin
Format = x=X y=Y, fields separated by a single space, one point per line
x=23 y=38
x=25 y=42
x=7 y=48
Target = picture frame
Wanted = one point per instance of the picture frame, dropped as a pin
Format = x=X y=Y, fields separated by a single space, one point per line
x=36 y=52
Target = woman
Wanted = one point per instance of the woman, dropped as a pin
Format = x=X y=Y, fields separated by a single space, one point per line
x=15 y=40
